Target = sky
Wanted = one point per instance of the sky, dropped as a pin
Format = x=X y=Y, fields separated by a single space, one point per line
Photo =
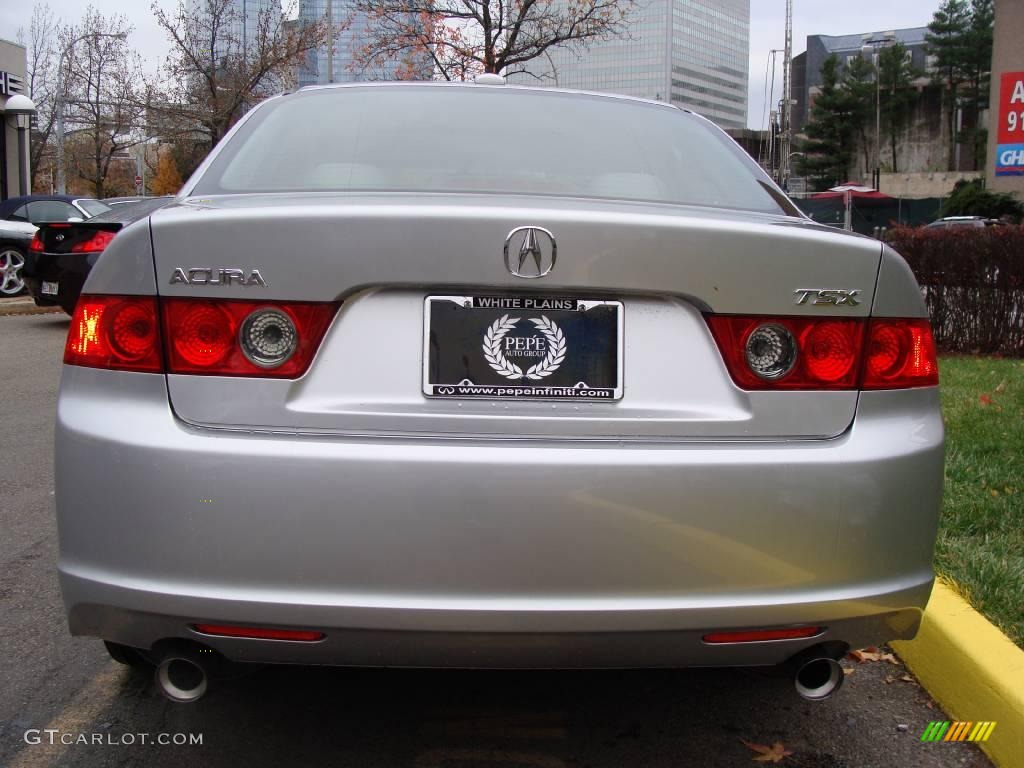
x=767 y=28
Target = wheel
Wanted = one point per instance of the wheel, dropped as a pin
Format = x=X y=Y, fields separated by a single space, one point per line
x=11 y=262
x=126 y=655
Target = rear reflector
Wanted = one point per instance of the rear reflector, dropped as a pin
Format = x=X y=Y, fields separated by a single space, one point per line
x=778 y=353
x=120 y=332
x=760 y=635
x=260 y=633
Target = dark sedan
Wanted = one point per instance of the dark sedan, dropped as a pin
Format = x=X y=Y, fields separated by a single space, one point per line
x=62 y=253
x=19 y=217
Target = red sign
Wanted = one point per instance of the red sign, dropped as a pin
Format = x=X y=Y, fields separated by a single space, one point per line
x=1011 y=108
x=138 y=180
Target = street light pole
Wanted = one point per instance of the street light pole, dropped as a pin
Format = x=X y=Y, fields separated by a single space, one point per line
x=873 y=47
x=878 y=125
x=58 y=101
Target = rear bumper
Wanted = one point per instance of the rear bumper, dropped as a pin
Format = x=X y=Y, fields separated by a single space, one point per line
x=69 y=271
x=490 y=553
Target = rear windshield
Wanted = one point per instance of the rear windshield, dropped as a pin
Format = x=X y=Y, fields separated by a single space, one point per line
x=486 y=141
x=93 y=207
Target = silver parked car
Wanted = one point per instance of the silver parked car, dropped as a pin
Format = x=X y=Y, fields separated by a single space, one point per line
x=473 y=375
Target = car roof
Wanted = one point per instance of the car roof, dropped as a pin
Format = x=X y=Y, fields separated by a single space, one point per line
x=10 y=204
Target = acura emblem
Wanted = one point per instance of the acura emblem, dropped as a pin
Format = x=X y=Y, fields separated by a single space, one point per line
x=530 y=252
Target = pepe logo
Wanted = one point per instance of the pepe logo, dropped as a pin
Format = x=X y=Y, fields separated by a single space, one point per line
x=547 y=347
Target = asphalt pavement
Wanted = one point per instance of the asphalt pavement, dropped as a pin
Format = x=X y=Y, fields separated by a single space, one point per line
x=55 y=688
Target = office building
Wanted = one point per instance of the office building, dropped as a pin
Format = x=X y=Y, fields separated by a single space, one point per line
x=345 y=63
x=241 y=23
x=807 y=65
x=693 y=53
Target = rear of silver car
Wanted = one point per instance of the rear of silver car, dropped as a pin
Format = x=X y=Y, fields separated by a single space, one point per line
x=359 y=503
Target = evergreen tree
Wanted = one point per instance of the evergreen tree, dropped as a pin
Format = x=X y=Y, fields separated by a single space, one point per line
x=946 y=41
x=977 y=72
x=829 y=146
x=859 y=86
x=896 y=75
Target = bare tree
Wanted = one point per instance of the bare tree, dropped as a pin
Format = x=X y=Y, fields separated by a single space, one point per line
x=217 y=69
x=102 y=103
x=41 y=74
x=463 y=38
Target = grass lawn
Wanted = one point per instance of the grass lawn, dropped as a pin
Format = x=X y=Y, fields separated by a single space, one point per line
x=981 y=535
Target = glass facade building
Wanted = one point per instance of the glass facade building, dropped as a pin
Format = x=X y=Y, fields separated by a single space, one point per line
x=348 y=41
x=243 y=20
x=693 y=53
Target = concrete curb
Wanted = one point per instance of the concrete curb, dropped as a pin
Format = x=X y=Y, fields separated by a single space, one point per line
x=972 y=669
x=10 y=309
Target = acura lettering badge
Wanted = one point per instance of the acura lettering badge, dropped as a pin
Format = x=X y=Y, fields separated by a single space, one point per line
x=530 y=252
x=217 y=276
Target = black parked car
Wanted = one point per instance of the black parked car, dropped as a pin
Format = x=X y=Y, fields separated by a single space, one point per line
x=19 y=217
x=61 y=254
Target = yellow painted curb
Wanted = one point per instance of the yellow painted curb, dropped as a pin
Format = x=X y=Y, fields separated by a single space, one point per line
x=972 y=669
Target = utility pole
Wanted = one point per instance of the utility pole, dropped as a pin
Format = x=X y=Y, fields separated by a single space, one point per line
x=330 y=41
x=787 y=99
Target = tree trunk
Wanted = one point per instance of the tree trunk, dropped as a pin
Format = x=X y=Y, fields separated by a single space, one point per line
x=892 y=144
x=867 y=153
x=952 y=128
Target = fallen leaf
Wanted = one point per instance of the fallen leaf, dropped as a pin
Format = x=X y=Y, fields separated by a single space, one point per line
x=889 y=679
x=908 y=679
x=985 y=400
x=848 y=670
x=865 y=654
x=773 y=754
x=1001 y=388
x=871 y=653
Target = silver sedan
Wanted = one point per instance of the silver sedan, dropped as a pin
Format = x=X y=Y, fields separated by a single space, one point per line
x=479 y=375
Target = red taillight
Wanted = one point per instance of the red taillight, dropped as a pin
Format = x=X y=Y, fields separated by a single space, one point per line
x=770 y=353
x=97 y=242
x=203 y=336
x=115 y=332
x=760 y=635
x=36 y=246
x=826 y=351
x=259 y=633
x=900 y=353
x=278 y=339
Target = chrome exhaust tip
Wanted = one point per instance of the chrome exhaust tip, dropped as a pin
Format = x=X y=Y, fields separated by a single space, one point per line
x=182 y=677
x=818 y=678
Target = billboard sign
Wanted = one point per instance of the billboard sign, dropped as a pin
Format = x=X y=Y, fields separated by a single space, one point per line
x=1010 y=143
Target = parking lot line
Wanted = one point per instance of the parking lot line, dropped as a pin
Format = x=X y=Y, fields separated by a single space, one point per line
x=79 y=716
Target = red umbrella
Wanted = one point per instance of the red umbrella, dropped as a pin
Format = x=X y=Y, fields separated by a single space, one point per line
x=856 y=191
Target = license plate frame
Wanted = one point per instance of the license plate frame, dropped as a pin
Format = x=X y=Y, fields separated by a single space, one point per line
x=558 y=331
